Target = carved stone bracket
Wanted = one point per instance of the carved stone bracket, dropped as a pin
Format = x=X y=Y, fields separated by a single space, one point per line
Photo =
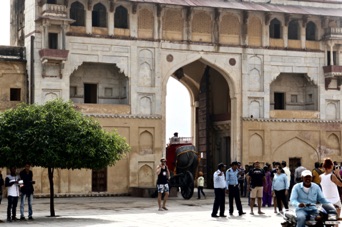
x=111 y=6
x=41 y=2
x=90 y=4
x=217 y=14
x=327 y=82
x=339 y=82
x=305 y=20
x=324 y=21
x=268 y=18
x=159 y=10
x=245 y=17
x=134 y=7
x=188 y=13
x=287 y=19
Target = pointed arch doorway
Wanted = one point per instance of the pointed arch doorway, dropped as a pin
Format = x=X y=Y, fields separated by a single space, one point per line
x=211 y=114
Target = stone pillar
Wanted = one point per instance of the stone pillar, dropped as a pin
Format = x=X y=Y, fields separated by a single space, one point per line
x=331 y=45
x=63 y=36
x=286 y=30
x=216 y=28
x=303 y=32
x=159 y=22
x=45 y=36
x=244 y=29
x=188 y=16
x=110 y=22
x=266 y=30
x=88 y=21
x=134 y=21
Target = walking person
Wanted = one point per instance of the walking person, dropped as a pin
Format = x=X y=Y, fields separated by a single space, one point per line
x=255 y=185
x=267 y=188
x=163 y=174
x=200 y=185
x=280 y=188
x=232 y=179
x=12 y=184
x=26 y=191
x=329 y=181
x=241 y=179
x=220 y=187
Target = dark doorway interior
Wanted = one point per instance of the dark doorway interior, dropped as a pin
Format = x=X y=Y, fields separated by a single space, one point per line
x=99 y=180
x=90 y=93
x=279 y=101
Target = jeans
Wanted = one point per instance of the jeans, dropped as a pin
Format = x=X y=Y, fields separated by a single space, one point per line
x=12 y=205
x=303 y=215
x=22 y=204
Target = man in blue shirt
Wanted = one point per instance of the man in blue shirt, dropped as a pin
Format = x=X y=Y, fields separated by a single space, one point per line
x=232 y=176
x=304 y=197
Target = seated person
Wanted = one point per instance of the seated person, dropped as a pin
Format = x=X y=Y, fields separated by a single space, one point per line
x=304 y=197
x=175 y=137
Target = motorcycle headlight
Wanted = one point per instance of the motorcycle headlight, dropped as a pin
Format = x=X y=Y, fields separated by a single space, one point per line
x=332 y=217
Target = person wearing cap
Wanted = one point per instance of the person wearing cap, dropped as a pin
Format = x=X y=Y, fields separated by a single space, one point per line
x=163 y=174
x=255 y=182
x=305 y=196
x=219 y=190
x=232 y=179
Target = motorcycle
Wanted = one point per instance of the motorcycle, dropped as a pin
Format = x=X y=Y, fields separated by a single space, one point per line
x=326 y=217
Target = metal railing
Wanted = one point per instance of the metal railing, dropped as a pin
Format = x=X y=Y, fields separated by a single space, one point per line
x=180 y=140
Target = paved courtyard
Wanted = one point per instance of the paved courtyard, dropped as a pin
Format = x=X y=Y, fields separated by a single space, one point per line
x=126 y=211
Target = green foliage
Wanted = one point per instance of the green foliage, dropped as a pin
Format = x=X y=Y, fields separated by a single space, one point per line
x=55 y=135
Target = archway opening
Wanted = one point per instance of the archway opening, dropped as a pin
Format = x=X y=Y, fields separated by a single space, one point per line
x=210 y=113
x=178 y=110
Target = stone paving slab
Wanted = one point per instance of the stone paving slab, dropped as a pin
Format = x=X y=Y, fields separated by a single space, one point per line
x=126 y=211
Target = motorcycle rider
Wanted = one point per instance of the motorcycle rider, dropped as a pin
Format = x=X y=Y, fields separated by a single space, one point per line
x=304 y=197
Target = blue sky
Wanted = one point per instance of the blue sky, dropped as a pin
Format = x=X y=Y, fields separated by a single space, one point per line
x=177 y=100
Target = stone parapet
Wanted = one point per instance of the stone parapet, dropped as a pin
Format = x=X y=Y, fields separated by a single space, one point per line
x=290 y=120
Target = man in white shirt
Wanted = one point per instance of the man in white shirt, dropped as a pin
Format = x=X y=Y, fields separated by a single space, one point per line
x=220 y=187
x=287 y=171
x=12 y=184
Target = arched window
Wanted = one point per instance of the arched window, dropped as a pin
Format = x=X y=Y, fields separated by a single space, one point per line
x=121 y=17
x=77 y=13
x=293 y=31
x=275 y=29
x=99 y=16
x=310 y=31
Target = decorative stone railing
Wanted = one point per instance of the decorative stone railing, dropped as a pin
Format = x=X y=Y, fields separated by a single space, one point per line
x=53 y=54
x=53 y=10
x=332 y=70
x=333 y=33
